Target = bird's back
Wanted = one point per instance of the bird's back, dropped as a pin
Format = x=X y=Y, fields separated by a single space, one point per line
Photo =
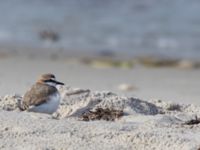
x=38 y=94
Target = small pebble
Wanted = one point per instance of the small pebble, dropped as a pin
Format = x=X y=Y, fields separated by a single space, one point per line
x=126 y=87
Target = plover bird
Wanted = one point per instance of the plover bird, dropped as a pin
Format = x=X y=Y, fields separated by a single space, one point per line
x=43 y=96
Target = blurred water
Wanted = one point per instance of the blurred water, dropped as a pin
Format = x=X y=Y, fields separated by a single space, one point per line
x=164 y=27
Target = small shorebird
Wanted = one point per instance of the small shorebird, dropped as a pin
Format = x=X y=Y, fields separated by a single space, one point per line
x=43 y=96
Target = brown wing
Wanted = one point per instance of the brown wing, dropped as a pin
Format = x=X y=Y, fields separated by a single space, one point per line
x=38 y=94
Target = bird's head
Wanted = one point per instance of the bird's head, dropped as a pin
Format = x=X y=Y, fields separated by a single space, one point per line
x=49 y=79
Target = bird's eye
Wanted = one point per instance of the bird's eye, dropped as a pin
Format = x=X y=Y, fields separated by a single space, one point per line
x=53 y=76
x=50 y=80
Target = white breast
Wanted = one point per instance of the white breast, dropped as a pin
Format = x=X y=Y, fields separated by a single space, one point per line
x=49 y=107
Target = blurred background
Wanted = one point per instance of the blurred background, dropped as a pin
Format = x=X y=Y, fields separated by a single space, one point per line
x=129 y=27
x=143 y=48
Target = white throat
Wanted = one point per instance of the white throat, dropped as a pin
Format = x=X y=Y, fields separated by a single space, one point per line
x=51 y=84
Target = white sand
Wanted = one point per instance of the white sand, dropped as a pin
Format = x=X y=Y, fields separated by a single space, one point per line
x=152 y=124
x=145 y=125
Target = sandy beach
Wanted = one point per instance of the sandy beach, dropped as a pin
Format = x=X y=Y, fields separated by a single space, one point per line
x=160 y=110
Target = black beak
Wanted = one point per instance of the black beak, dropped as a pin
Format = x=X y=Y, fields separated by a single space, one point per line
x=60 y=83
x=54 y=81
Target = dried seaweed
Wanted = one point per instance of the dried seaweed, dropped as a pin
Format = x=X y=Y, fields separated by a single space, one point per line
x=102 y=114
x=193 y=121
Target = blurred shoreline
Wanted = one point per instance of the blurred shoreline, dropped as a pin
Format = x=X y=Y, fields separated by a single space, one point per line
x=104 y=58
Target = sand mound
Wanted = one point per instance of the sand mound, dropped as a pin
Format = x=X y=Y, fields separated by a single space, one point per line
x=76 y=102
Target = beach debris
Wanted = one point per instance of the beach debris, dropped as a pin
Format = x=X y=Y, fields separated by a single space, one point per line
x=174 y=107
x=168 y=62
x=102 y=114
x=77 y=91
x=193 y=121
x=157 y=62
x=68 y=91
x=49 y=35
x=126 y=87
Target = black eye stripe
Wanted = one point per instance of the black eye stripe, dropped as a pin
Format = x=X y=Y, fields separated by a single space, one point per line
x=50 y=80
x=53 y=81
